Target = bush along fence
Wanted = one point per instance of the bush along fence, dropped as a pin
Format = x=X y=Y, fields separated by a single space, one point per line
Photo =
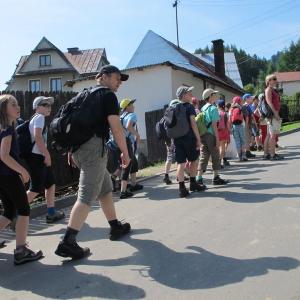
x=290 y=109
x=63 y=173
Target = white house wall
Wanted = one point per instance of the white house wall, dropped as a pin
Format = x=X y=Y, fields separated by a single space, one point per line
x=291 y=88
x=22 y=83
x=152 y=87
x=183 y=78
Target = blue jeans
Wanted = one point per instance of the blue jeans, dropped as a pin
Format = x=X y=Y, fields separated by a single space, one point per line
x=238 y=132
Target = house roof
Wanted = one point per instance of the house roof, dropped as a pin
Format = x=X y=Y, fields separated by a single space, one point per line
x=155 y=50
x=231 y=67
x=287 y=76
x=85 y=62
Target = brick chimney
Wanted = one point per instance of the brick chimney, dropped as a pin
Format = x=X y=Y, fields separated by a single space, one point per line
x=73 y=50
x=219 y=57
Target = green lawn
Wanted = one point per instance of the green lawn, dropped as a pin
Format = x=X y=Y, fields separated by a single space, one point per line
x=289 y=126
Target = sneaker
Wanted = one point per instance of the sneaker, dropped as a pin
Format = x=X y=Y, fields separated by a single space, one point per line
x=119 y=231
x=250 y=155
x=196 y=187
x=124 y=195
x=71 y=249
x=136 y=187
x=24 y=255
x=219 y=181
x=167 y=180
x=266 y=156
x=183 y=192
x=277 y=157
x=58 y=215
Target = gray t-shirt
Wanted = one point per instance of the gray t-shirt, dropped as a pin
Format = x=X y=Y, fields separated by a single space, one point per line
x=38 y=121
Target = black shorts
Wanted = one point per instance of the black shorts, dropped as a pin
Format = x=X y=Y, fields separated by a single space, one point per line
x=185 y=149
x=42 y=177
x=13 y=196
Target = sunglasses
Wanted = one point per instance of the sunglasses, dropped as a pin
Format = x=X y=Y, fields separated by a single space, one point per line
x=45 y=105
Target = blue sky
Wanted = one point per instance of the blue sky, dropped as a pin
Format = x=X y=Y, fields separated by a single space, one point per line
x=260 y=27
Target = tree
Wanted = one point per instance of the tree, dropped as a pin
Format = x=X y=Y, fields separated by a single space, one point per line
x=250 y=88
x=289 y=60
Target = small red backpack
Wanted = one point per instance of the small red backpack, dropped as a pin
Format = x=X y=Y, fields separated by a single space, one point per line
x=236 y=116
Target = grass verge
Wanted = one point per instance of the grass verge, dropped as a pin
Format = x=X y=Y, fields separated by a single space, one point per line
x=290 y=126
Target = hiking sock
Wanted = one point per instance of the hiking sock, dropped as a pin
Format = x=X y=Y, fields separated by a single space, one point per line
x=181 y=185
x=51 y=211
x=114 y=223
x=192 y=179
x=70 y=235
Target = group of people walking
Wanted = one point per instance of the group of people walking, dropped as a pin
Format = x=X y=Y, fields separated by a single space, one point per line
x=119 y=129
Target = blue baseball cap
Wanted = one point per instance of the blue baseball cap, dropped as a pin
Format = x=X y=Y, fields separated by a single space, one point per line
x=221 y=102
x=246 y=96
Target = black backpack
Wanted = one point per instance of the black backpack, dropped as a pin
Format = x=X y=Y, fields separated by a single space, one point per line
x=76 y=121
x=160 y=129
x=24 y=139
x=177 y=124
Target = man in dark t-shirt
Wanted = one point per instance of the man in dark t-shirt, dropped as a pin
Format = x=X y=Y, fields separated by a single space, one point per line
x=91 y=159
x=187 y=147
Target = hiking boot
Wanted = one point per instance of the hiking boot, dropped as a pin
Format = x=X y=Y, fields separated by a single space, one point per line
x=167 y=180
x=243 y=159
x=58 y=215
x=266 y=156
x=250 y=155
x=196 y=187
x=136 y=187
x=126 y=194
x=118 y=231
x=260 y=148
x=219 y=181
x=200 y=181
x=24 y=255
x=71 y=249
x=183 y=192
x=277 y=157
x=226 y=162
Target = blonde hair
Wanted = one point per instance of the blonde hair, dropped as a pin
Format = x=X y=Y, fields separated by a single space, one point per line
x=268 y=78
x=4 y=122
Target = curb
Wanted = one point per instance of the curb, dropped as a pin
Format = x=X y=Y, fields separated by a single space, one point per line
x=289 y=132
x=69 y=200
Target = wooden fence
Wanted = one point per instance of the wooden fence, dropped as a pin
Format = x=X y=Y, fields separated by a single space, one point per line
x=63 y=174
x=156 y=148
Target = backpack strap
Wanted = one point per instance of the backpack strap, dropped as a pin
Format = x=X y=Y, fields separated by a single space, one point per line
x=209 y=124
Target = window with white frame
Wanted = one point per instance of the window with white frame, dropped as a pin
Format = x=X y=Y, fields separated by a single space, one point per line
x=34 y=85
x=45 y=60
x=55 y=85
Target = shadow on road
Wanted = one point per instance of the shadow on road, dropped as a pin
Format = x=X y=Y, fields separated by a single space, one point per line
x=196 y=268
x=62 y=282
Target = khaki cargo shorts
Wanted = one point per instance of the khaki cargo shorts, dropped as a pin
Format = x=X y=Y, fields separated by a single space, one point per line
x=94 y=180
x=274 y=125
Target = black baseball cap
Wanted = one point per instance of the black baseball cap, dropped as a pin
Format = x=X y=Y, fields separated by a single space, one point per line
x=109 y=69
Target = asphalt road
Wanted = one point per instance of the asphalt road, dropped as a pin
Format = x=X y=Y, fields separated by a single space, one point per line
x=235 y=242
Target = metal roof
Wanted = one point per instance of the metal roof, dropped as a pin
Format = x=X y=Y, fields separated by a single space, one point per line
x=155 y=50
x=231 y=67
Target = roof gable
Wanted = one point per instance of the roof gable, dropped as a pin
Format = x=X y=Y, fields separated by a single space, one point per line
x=43 y=45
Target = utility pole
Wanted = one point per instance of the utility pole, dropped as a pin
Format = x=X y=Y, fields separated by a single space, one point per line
x=175 y=4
